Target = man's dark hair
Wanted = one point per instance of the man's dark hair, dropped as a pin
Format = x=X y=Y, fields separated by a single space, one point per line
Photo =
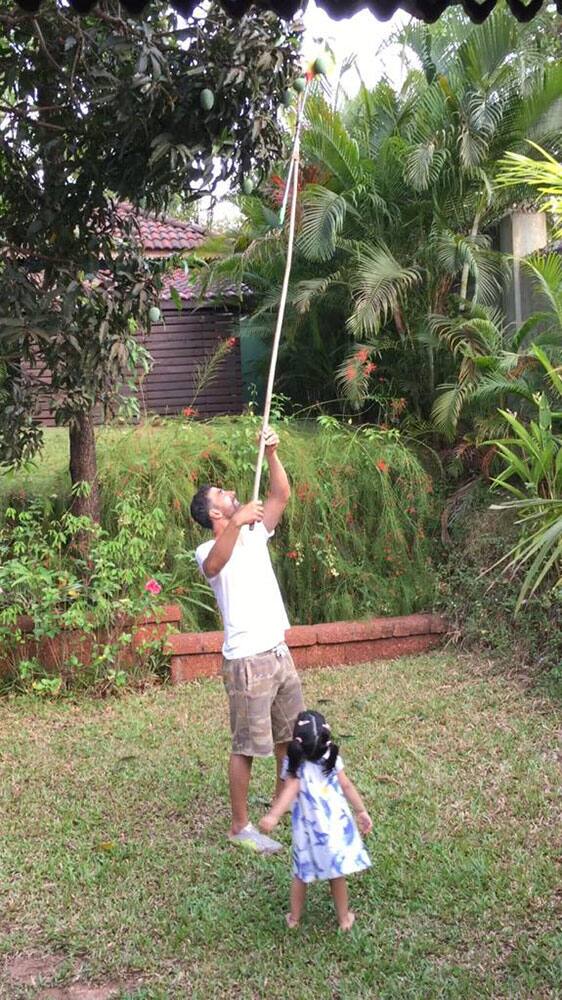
x=200 y=507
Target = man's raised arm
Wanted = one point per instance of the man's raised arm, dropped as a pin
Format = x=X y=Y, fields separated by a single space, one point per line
x=279 y=486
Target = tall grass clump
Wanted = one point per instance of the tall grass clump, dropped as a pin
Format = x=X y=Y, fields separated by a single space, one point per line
x=352 y=542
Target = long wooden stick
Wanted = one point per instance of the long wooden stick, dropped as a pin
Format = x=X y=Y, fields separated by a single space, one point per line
x=293 y=178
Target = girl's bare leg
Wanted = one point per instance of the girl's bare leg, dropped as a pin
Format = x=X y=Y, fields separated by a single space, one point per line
x=346 y=918
x=298 y=896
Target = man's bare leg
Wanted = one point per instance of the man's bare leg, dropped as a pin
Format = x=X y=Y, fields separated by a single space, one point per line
x=239 y=771
x=280 y=754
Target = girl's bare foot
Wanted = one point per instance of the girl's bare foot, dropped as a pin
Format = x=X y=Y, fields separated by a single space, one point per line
x=348 y=922
x=291 y=922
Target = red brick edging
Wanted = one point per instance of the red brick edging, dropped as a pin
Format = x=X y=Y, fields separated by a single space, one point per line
x=198 y=654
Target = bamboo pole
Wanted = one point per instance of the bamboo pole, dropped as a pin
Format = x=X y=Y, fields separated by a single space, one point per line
x=293 y=178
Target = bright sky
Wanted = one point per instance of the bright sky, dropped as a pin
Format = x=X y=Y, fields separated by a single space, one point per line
x=360 y=35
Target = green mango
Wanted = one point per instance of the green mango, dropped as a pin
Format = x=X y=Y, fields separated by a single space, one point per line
x=154 y=314
x=287 y=98
x=320 y=66
x=207 y=99
x=299 y=84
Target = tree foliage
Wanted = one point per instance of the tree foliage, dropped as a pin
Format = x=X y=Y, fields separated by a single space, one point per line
x=95 y=110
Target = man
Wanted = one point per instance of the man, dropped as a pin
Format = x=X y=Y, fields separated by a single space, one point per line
x=262 y=684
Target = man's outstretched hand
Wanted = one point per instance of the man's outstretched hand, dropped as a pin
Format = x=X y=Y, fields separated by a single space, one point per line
x=271 y=440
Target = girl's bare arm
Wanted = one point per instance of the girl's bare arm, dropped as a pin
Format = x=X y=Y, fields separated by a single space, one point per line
x=280 y=806
x=364 y=821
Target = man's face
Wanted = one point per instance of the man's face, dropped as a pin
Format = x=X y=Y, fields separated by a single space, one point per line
x=225 y=502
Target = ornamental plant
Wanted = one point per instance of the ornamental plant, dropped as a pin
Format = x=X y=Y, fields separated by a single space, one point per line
x=89 y=602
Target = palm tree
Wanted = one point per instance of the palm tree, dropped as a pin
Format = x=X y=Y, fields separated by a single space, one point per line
x=499 y=369
x=398 y=218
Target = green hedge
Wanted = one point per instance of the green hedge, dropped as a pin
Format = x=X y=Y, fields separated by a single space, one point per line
x=353 y=541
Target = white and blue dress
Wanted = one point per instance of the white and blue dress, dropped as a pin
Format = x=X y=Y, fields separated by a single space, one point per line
x=326 y=841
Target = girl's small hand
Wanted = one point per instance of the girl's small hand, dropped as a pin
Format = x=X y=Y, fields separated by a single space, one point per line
x=364 y=822
x=267 y=823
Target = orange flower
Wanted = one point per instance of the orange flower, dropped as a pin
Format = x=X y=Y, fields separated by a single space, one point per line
x=382 y=466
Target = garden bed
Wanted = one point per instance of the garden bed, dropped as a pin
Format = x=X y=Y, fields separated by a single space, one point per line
x=74 y=645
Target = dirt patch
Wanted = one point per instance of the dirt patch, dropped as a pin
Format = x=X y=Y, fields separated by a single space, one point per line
x=80 y=991
x=28 y=969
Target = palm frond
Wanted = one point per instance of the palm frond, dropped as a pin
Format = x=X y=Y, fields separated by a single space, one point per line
x=448 y=406
x=327 y=141
x=377 y=282
x=323 y=217
x=313 y=288
x=546 y=272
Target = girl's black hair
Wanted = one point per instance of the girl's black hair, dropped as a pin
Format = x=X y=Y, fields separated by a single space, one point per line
x=311 y=741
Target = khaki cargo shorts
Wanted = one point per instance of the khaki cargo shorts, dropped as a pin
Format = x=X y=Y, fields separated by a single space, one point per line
x=265 y=697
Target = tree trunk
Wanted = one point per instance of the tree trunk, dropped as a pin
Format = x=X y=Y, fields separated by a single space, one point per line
x=83 y=466
x=465 y=271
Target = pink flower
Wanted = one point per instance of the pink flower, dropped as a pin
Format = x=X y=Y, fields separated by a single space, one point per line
x=231 y=342
x=362 y=355
x=153 y=587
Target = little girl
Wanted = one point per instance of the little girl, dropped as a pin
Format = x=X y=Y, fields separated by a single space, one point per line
x=326 y=842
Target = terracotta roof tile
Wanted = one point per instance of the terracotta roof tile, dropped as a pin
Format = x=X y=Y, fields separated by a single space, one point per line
x=158 y=234
x=179 y=280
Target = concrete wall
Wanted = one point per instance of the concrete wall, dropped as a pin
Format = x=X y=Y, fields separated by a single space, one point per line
x=521 y=234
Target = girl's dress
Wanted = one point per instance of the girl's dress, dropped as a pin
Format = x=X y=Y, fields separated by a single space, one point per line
x=326 y=841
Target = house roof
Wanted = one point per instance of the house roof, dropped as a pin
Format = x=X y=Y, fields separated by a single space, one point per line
x=220 y=292
x=159 y=234
x=425 y=10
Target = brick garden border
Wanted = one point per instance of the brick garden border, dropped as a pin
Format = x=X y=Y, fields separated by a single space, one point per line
x=198 y=654
x=154 y=624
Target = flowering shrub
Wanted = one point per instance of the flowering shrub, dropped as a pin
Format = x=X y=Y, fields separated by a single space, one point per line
x=88 y=595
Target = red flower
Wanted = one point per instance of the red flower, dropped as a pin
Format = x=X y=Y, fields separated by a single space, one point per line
x=370 y=367
x=292 y=555
x=152 y=587
x=231 y=342
x=189 y=411
x=350 y=373
x=309 y=74
x=363 y=355
x=382 y=466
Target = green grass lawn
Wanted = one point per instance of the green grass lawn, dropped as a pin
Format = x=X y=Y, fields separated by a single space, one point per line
x=48 y=473
x=114 y=867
